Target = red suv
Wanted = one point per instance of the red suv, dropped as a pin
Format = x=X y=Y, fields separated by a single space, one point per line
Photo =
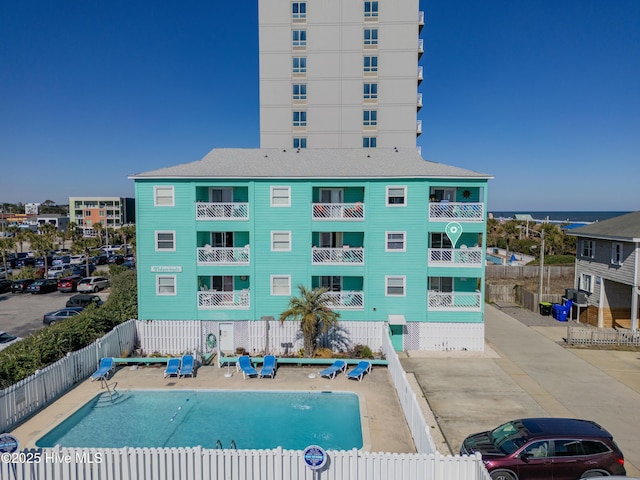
x=541 y=448
x=69 y=284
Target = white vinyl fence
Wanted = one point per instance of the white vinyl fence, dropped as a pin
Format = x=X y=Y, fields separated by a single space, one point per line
x=579 y=335
x=198 y=463
x=37 y=391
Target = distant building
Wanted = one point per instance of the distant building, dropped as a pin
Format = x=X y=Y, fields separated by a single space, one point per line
x=60 y=222
x=110 y=212
x=32 y=208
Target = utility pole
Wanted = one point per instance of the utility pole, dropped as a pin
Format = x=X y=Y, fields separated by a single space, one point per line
x=541 y=265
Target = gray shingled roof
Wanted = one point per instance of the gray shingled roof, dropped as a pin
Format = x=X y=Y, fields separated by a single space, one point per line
x=623 y=228
x=311 y=163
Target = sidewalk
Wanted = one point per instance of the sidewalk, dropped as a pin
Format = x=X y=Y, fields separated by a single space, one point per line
x=526 y=371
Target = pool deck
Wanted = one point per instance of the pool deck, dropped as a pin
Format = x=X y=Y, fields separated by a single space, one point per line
x=384 y=426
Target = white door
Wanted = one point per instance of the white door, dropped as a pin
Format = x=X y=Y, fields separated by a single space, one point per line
x=225 y=338
x=330 y=240
x=221 y=195
x=331 y=195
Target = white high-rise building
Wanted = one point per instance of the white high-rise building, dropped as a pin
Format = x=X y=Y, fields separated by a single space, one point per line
x=339 y=73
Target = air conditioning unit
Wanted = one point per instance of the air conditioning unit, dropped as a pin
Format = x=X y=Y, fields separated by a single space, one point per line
x=581 y=297
x=570 y=294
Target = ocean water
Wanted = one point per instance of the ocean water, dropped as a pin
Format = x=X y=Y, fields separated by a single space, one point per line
x=575 y=216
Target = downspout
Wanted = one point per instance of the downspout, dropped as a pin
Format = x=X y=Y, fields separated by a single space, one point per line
x=635 y=291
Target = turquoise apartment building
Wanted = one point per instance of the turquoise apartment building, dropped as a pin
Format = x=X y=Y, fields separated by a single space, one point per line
x=230 y=237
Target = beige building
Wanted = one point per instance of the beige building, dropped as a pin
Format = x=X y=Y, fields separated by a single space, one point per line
x=339 y=74
x=110 y=212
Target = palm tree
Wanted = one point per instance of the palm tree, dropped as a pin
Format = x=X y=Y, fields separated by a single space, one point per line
x=312 y=308
x=42 y=244
x=84 y=245
x=128 y=233
x=6 y=245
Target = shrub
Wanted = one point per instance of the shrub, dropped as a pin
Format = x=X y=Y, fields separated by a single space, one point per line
x=361 y=351
x=323 y=353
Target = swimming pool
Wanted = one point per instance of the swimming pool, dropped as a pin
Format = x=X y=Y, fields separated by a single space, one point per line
x=181 y=418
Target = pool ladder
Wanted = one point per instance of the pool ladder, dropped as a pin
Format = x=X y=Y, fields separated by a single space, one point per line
x=232 y=446
x=113 y=393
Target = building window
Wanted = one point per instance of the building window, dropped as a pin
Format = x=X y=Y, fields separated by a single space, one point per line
x=280 y=241
x=87 y=213
x=395 y=242
x=586 y=283
x=371 y=36
x=299 y=10
x=300 y=91
x=165 y=285
x=370 y=9
x=370 y=64
x=616 y=253
x=163 y=197
x=369 y=142
x=394 y=286
x=588 y=248
x=281 y=285
x=165 y=241
x=299 y=38
x=300 y=142
x=370 y=118
x=280 y=196
x=370 y=91
x=299 y=119
x=396 y=196
x=441 y=284
x=299 y=64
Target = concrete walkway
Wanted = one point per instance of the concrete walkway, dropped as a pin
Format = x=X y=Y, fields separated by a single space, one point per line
x=525 y=371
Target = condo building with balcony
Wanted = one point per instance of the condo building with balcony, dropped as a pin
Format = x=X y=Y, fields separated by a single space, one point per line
x=110 y=212
x=230 y=237
x=340 y=74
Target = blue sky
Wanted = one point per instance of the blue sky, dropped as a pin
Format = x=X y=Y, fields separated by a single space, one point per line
x=542 y=94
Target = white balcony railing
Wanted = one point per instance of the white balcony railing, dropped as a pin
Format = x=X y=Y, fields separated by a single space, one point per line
x=419 y=101
x=337 y=256
x=213 y=300
x=222 y=211
x=338 y=211
x=421 y=18
x=453 y=301
x=420 y=45
x=455 y=257
x=346 y=300
x=419 y=127
x=224 y=255
x=455 y=211
x=420 y=74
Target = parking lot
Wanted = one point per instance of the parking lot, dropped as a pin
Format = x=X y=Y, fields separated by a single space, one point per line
x=21 y=313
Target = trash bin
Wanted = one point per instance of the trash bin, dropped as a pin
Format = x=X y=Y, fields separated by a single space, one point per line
x=560 y=312
x=545 y=308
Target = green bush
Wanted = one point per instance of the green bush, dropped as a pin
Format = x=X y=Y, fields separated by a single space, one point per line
x=50 y=344
x=361 y=351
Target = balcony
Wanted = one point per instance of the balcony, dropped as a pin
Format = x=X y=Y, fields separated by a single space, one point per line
x=420 y=21
x=222 y=211
x=456 y=211
x=453 y=301
x=337 y=256
x=346 y=300
x=419 y=102
x=420 y=77
x=418 y=127
x=233 y=300
x=454 y=257
x=209 y=255
x=338 y=211
x=420 y=47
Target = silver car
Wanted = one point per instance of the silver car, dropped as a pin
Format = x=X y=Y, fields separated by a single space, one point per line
x=92 y=284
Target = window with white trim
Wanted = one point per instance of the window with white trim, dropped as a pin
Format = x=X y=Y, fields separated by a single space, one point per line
x=165 y=240
x=395 y=242
x=299 y=38
x=370 y=118
x=166 y=285
x=298 y=10
x=299 y=119
x=588 y=248
x=299 y=91
x=281 y=241
x=396 y=196
x=616 y=253
x=280 y=196
x=370 y=91
x=394 y=286
x=281 y=285
x=299 y=65
x=371 y=64
x=369 y=142
x=163 y=196
x=370 y=9
x=586 y=282
x=300 y=142
x=370 y=36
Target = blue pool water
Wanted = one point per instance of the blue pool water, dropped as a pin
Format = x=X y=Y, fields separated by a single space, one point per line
x=253 y=420
x=494 y=259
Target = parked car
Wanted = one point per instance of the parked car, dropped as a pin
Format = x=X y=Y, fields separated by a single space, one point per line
x=6 y=340
x=5 y=273
x=58 y=270
x=83 y=301
x=20 y=286
x=40 y=261
x=131 y=265
x=93 y=284
x=62 y=260
x=5 y=286
x=116 y=259
x=78 y=259
x=59 y=315
x=82 y=269
x=101 y=259
x=25 y=262
x=558 y=448
x=69 y=284
x=43 y=285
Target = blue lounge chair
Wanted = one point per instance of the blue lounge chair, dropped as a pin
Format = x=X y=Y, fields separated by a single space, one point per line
x=268 y=367
x=244 y=366
x=186 y=366
x=173 y=367
x=359 y=372
x=337 y=367
x=104 y=369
